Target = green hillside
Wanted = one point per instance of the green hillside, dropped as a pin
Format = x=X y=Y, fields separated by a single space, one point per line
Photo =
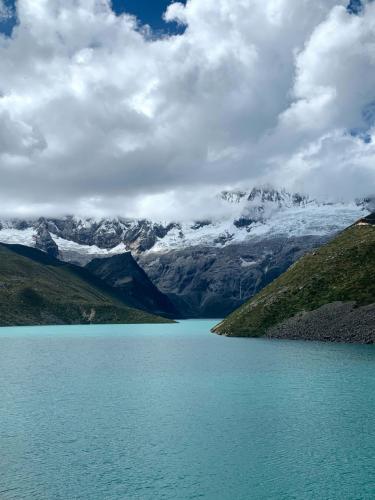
x=342 y=271
x=36 y=289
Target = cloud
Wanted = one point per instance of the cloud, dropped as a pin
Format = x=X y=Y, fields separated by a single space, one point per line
x=98 y=116
x=176 y=12
x=5 y=11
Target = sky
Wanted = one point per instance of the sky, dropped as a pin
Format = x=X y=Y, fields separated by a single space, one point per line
x=148 y=12
x=148 y=108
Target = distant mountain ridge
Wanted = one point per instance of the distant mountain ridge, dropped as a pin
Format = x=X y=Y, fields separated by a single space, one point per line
x=262 y=212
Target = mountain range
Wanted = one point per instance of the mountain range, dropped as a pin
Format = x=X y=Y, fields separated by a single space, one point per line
x=206 y=267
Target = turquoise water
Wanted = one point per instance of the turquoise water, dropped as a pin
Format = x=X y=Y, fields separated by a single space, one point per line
x=174 y=412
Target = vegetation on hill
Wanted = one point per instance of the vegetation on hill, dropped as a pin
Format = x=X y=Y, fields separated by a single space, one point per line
x=341 y=271
x=37 y=289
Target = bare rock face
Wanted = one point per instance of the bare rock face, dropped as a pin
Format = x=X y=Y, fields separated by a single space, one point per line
x=370 y=220
x=45 y=242
x=212 y=282
x=137 y=235
x=103 y=233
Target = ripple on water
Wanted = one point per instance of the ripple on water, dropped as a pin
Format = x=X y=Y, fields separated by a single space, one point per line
x=172 y=411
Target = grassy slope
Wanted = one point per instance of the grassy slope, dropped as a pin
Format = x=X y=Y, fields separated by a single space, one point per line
x=342 y=270
x=37 y=289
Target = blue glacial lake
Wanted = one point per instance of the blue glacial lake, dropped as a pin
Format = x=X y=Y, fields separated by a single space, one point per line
x=174 y=412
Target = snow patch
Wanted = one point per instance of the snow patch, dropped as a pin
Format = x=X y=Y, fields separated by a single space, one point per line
x=311 y=219
x=18 y=236
x=67 y=245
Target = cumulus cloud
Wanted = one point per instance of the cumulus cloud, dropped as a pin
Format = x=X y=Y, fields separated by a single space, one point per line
x=97 y=116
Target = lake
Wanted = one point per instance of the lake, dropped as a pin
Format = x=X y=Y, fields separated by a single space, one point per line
x=174 y=412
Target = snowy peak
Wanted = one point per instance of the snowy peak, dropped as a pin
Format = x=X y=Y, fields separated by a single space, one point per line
x=264 y=202
x=263 y=195
x=232 y=196
x=368 y=203
x=260 y=213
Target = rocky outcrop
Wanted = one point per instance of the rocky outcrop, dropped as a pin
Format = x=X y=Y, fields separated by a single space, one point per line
x=45 y=242
x=369 y=220
x=334 y=322
x=136 y=235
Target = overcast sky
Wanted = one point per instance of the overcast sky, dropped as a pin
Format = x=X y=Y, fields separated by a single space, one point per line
x=100 y=114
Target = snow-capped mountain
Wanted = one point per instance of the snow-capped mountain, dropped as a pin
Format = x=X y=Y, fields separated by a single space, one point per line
x=261 y=213
x=206 y=267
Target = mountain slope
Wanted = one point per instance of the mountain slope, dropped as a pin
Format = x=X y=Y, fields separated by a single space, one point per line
x=210 y=282
x=211 y=264
x=36 y=289
x=128 y=278
x=328 y=294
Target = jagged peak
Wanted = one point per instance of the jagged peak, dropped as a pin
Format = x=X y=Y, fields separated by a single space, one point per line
x=265 y=194
x=268 y=194
x=234 y=196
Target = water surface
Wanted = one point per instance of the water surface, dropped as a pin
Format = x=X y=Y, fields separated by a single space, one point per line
x=174 y=412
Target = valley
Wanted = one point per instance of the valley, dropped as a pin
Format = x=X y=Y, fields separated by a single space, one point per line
x=205 y=268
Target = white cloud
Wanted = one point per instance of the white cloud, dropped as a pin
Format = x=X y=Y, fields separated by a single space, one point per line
x=176 y=12
x=5 y=11
x=97 y=115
